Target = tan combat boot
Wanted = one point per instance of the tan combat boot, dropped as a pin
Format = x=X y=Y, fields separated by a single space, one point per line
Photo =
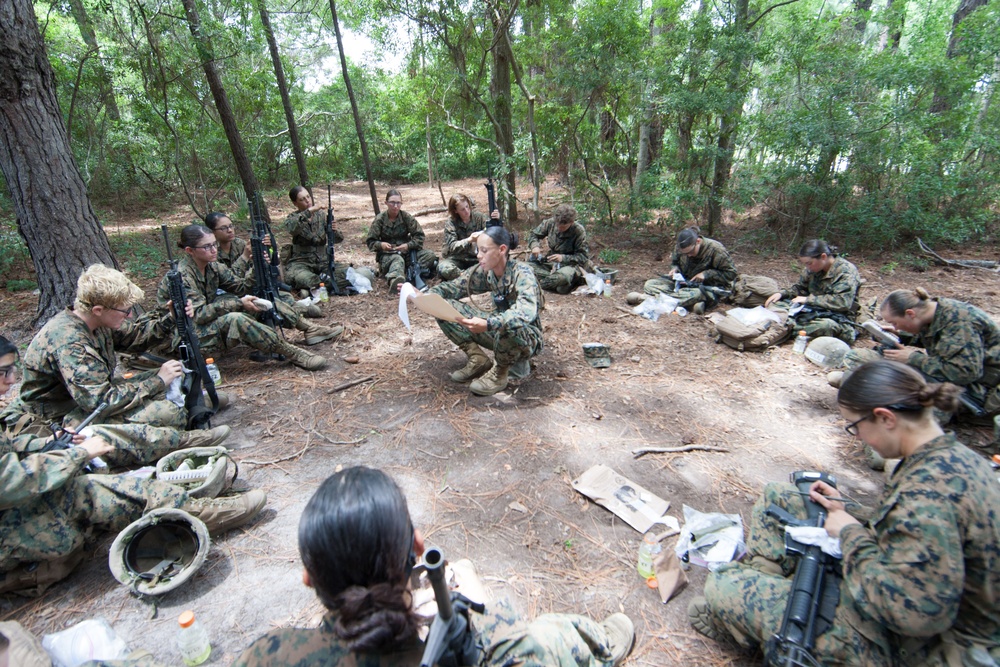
x=317 y=333
x=477 y=364
x=299 y=357
x=222 y=514
x=203 y=438
x=494 y=381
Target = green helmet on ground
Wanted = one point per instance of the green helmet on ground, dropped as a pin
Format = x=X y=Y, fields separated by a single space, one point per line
x=160 y=551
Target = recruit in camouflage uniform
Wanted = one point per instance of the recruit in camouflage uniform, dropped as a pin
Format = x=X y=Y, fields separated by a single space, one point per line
x=69 y=371
x=921 y=574
x=234 y=259
x=221 y=322
x=404 y=229
x=48 y=510
x=308 y=252
x=836 y=290
x=457 y=256
x=571 y=244
x=514 y=334
x=551 y=640
x=712 y=260
x=961 y=346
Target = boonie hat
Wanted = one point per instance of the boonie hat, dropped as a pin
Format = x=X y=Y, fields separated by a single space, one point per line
x=160 y=551
x=597 y=355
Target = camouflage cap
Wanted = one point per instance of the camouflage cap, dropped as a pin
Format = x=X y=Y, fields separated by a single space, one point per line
x=200 y=470
x=160 y=551
x=597 y=355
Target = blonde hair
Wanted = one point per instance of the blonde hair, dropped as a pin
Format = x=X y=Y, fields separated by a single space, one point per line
x=100 y=285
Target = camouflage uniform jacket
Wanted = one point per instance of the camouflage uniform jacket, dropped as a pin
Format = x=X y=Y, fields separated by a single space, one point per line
x=518 y=286
x=320 y=647
x=712 y=259
x=835 y=289
x=308 y=230
x=571 y=244
x=67 y=366
x=201 y=289
x=455 y=230
x=234 y=258
x=22 y=480
x=404 y=229
x=962 y=345
x=928 y=560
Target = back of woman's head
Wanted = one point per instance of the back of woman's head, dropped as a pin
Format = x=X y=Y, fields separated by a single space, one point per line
x=192 y=235
x=816 y=247
x=902 y=300
x=687 y=238
x=101 y=285
x=502 y=236
x=213 y=219
x=890 y=384
x=564 y=214
x=7 y=347
x=356 y=542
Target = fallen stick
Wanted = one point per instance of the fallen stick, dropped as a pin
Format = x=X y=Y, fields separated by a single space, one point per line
x=427 y=211
x=636 y=453
x=963 y=263
x=348 y=385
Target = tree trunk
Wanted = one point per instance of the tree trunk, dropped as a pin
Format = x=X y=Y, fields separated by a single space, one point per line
x=354 y=108
x=205 y=54
x=646 y=127
x=730 y=119
x=500 y=90
x=286 y=102
x=50 y=199
x=946 y=94
x=107 y=90
x=861 y=9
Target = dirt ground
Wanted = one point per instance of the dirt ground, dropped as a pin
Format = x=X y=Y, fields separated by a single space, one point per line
x=490 y=478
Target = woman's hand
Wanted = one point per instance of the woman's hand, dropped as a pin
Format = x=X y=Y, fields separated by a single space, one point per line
x=771 y=299
x=248 y=250
x=829 y=498
x=96 y=446
x=901 y=354
x=170 y=371
x=698 y=278
x=556 y=259
x=473 y=237
x=800 y=299
x=475 y=325
x=248 y=304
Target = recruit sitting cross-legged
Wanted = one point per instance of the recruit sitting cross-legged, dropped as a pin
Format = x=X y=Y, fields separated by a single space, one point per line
x=224 y=322
x=394 y=234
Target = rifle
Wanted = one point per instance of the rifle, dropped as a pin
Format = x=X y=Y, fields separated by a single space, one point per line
x=815 y=588
x=887 y=340
x=491 y=200
x=452 y=641
x=710 y=292
x=189 y=351
x=413 y=271
x=267 y=276
x=330 y=277
x=63 y=439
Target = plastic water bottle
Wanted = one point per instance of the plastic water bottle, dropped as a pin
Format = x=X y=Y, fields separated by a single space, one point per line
x=648 y=551
x=213 y=371
x=192 y=640
x=801 y=341
x=607 y=287
x=323 y=295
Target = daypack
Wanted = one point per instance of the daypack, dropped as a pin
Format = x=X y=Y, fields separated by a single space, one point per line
x=750 y=291
x=751 y=338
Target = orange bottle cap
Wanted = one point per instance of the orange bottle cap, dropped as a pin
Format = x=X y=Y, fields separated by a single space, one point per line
x=128 y=376
x=652 y=582
x=210 y=360
x=186 y=618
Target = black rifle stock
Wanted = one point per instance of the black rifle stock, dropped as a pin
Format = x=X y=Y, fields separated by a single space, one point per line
x=63 y=439
x=413 y=271
x=331 y=275
x=266 y=261
x=491 y=202
x=189 y=351
x=815 y=587
x=452 y=641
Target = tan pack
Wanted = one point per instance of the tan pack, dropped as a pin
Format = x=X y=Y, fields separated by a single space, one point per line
x=750 y=291
x=730 y=331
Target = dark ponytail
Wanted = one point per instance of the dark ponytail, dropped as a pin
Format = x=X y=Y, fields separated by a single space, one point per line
x=816 y=247
x=501 y=236
x=901 y=388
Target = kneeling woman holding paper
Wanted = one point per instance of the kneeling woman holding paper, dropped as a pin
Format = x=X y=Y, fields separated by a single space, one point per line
x=512 y=330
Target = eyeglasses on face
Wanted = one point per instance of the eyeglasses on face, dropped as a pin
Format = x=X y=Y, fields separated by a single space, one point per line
x=224 y=228
x=124 y=311
x=852 y=428
x=394 y=203
x=8 y=372
x=209 y=247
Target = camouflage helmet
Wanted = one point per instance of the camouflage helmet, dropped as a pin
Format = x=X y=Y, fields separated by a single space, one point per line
x=160 y=551
x=827 y=351
x=200 y=470
x=597 y=355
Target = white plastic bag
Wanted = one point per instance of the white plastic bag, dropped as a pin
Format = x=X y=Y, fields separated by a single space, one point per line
x=93 y=639
x=358 y=281
x=652 y=308
x=596 y=283
x=751 y=317
x=710 y=539
x=174 y=394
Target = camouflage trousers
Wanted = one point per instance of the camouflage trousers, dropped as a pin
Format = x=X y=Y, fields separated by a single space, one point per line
x=239 y=328
x=822 y=326
x=748 y=599
x=509 y=345
x=450 y=267
x=687 y=297
x=392 y=265
x=58 y=523
x=561 y=280
x=302 y=274
x=551 y=640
